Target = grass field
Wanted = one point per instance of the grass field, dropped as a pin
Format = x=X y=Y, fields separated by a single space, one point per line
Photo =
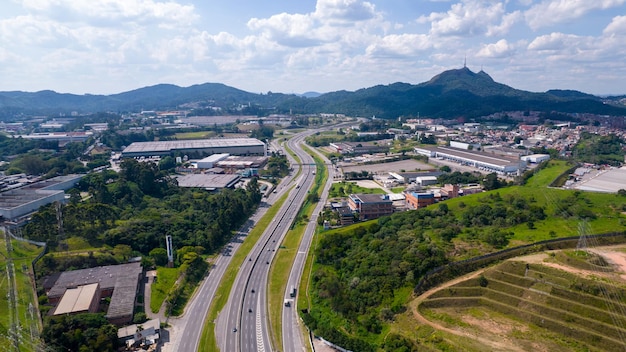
x=195 y=135
x=398 y=189
x=166 y=277
x=344 y=189
x=561 y=221
x=25 y=312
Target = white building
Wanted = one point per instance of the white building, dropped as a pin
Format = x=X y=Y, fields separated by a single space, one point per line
x=535 y=158
x=479 y=160
x=210 y=161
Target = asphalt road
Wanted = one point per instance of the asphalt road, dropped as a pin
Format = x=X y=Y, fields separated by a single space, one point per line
x=292 y=337
x=243 y=325
x=188 y=329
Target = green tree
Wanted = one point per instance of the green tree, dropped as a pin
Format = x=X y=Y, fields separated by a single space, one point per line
x=491 y=182
x=167 y=163
x=123 y=251
x=159 y=255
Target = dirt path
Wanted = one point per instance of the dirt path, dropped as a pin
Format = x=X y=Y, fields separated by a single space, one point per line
x=496 y=344
x=612 y=254
x=617 y=259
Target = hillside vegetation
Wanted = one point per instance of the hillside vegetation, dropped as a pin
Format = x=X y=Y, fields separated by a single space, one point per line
x=364 y=274
x=537 y=304
x=450 y=94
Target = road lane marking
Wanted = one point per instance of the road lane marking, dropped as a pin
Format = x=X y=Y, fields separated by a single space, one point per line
x=259 y=333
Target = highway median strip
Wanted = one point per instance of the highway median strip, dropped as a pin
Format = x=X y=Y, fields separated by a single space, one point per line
x=208 y=340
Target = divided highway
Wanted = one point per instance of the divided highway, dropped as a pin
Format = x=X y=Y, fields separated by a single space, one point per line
x=186 y=331
x=291 y=332
x=243 y=325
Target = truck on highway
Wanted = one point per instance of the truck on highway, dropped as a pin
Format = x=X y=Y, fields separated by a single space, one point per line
x=287 y=303
x=292 y=292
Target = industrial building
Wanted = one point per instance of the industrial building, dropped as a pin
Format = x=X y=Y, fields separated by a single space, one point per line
x=120 y=282
x=416 y=200
x=18 y=202
x=140 y=335
x=410 y=177
x=535 y=158
x=80 y=299
x=209 y=182
x=361 y=147
x=233 y=146
x=210 y=161
x=238 y=163
x=479 y=160
x=61 y=137
x=370 y=206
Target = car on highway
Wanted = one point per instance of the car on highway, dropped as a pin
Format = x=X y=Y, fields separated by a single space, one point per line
x=234 y=329
x=249 y=310
x=252 y=290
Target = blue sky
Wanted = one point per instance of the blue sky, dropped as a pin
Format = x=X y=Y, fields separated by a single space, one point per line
x=294 y=46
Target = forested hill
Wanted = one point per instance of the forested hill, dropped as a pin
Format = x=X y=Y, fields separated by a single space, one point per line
x=450 y=94
x=455 y=93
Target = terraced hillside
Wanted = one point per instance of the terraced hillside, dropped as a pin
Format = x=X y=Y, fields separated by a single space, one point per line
x=558 y=301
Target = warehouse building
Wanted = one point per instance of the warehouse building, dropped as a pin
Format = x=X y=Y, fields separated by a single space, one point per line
x=210 y=161
x=536 y=158
x=479 y=160
x=233 y=146
x=18 y=202
x=210 y=182
x=80 y=299
x=73 y=291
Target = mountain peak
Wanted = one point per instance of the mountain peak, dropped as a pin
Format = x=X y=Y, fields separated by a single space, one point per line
x=464 y=79
x=460 y=74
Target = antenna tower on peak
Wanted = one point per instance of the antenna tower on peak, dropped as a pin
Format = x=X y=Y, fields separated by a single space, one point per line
x=465 y=62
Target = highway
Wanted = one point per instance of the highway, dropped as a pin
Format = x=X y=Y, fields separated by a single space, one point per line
x=188 y=328
x=291 y=333
x=243 y=324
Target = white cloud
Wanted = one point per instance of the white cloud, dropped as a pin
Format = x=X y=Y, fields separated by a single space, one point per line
x=108 y=12
x=554 y=41
x=295 y=30
x=344 y=10
x=500 y=49
x=402 y=45
x=551 y=12
x=471 y=18
x=508 y=21
x=332 y=20
x=617 y=26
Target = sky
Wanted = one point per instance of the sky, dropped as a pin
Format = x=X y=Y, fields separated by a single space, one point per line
x=297 y=46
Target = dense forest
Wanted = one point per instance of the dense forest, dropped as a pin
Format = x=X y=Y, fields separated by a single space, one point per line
x=142 y=204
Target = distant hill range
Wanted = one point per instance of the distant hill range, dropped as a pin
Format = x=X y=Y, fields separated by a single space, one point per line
x=450 y=94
